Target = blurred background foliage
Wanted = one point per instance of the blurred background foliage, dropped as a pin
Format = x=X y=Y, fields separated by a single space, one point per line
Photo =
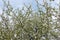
x=27 y=24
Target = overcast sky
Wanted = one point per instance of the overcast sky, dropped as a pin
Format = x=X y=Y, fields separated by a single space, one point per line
x=19 y=3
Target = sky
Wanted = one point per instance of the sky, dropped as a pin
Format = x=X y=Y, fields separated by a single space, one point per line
x=19 y=3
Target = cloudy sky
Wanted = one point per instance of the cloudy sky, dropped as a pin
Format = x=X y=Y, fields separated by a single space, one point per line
x=19 y=3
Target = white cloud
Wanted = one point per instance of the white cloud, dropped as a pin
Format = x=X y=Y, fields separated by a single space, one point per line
x=0 y=11
x=57 y=1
